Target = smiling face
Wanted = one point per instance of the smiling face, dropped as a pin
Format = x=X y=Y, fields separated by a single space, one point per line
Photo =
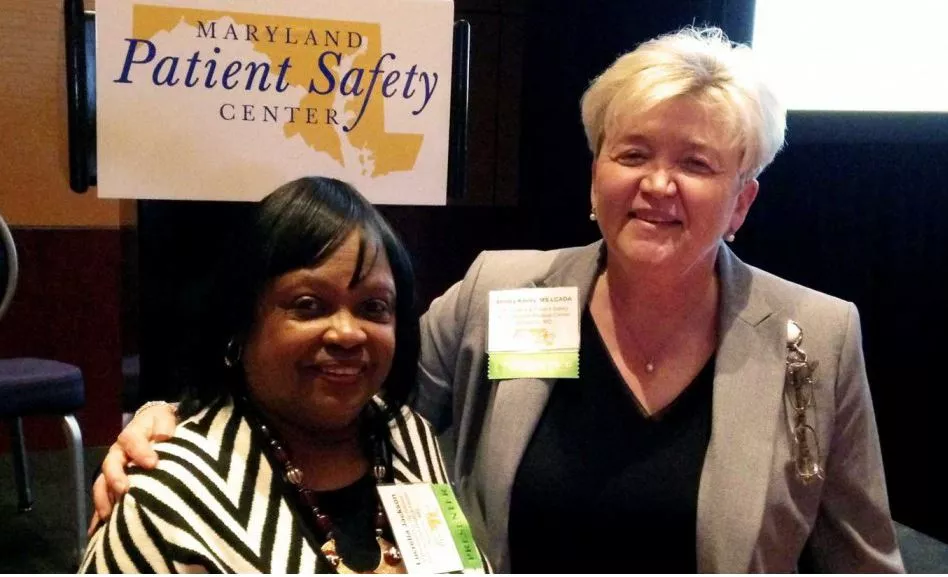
x=666 y=187
x=319 y=349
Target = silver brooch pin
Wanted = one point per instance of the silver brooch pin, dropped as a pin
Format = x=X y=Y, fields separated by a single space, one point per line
x=798 y=386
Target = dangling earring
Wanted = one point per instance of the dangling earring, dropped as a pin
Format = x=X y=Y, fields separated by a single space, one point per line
x=729 y=237
x=592 y=215
x=232 y=353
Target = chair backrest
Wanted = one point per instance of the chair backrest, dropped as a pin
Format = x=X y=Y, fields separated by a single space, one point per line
x=8 y=267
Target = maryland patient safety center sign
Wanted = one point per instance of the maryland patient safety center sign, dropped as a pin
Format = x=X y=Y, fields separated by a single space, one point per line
x=228 y=99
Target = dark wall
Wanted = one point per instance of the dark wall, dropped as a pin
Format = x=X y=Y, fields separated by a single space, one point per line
x=863 y=221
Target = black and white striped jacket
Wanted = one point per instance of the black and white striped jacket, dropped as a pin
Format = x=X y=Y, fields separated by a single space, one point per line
x=213 y=503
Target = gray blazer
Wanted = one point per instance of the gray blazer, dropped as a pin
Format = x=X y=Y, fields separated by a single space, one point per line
x=753 y=512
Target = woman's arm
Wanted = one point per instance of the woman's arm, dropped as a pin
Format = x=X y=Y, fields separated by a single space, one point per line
x=442 y=328
x=853 y=532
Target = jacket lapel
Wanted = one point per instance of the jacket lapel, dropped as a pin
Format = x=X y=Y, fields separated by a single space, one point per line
x=518 y=404
x=516 y=408
x=748 y=389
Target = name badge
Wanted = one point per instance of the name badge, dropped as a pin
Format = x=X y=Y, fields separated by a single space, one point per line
x=533 y=333
x=432 y=532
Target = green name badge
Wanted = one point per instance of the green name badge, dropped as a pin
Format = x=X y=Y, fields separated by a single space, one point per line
x=460 y=530
x=548 y=364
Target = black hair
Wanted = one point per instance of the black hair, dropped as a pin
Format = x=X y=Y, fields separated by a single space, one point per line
x=300 y=224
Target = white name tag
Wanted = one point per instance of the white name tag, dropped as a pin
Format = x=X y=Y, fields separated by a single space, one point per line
x=431 y=531
x=533 y=333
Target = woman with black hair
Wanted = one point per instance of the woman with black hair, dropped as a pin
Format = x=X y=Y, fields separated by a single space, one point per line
x=295 y=406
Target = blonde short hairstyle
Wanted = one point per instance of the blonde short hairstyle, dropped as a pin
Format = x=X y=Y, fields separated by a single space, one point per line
x=700 y=63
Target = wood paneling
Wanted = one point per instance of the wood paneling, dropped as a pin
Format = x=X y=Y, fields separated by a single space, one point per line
x=34 y=190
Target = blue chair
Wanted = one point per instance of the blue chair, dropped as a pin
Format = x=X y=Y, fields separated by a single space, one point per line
x=30 y=386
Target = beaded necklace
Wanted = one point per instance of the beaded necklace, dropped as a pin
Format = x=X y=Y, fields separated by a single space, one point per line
x=390 y=559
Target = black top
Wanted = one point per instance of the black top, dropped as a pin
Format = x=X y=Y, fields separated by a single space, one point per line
x=352 y=510
x=604 y=488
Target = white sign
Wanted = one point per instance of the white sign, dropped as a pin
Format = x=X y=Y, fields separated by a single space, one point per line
x=229 y=99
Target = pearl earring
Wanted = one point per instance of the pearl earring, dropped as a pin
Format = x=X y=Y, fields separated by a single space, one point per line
x=592 y=215
x=729 y=237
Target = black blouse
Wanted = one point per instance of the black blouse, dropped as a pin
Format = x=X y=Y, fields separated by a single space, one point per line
x=352 y=510
x=605 y=488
